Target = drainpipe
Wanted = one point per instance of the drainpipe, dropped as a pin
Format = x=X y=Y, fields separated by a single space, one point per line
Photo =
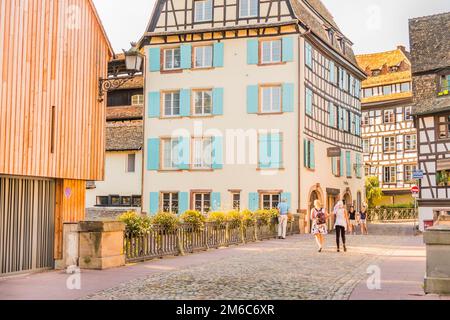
x=299 y=131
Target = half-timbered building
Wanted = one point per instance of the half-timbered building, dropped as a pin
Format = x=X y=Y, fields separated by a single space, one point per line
x=249 y=102
x=430 y=57
x=121 y=188
x=388 y=132
x=52 y=53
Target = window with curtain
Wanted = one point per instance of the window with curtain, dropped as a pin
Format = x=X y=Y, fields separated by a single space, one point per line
x=270 y=51
x=172 y=58
x=203 y=103
x=203 y=10
x=203 y=57
x=271 y=99
x=202 y=153
x=248 y=8
x=170 y=153
x=172 y=104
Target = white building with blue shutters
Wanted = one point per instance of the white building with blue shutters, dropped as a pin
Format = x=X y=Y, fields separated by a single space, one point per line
x=249 y=102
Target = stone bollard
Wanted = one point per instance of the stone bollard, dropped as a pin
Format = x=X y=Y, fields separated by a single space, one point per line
x=101 y=244
x=437 y=278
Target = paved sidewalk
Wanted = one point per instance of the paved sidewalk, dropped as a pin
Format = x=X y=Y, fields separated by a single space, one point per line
x=276 y=269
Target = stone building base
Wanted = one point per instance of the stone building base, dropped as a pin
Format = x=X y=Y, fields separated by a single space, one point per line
x=437 y=278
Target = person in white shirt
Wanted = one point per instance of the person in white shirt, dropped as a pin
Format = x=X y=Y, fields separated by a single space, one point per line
x=341 y=225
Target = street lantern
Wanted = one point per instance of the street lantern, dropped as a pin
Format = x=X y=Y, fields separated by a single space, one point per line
x=133 y=59
x=133 y=64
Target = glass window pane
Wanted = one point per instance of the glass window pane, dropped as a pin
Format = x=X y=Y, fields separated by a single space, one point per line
x=276 y=51
x=177 y=58
x=276 y=99
x=208 y=52
x=208 y=102
x=266 y=99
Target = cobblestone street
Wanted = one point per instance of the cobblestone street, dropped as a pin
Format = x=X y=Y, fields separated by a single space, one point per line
x=291 y=269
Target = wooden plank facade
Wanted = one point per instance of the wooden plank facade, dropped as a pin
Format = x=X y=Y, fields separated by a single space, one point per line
x=52 y=54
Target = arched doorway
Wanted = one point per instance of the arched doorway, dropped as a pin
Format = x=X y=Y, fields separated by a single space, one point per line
x=347 y=199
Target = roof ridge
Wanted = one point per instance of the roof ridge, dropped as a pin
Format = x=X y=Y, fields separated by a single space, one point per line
x=377 y=53
x=429 y=16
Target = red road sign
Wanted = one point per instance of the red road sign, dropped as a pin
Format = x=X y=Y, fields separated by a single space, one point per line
x=415 y=189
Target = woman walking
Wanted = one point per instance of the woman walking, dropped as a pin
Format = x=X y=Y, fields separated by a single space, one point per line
x=319 y=223
x=341 y=225
x=353 y=220
x=363 y=220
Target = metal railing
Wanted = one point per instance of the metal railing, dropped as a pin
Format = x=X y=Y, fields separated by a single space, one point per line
x=160 y=242
x=391 y=214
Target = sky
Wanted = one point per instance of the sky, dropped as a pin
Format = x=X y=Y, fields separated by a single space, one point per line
x=372 y=25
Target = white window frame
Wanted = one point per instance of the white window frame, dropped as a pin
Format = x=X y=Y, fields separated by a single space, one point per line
x=272 y=109
x=392 y=174
x=270 y=45
x=205 y=14
x=174 y=153
x=202 y=208
x=366 y=146
x=409 y=138
x=412 y=168
x=137 y=100
x=128 y=163
x=389 y=112
x=365 y=119
x=408 y=114
x=172 y=59
x=202 y=159
x=172 y=104
x=271 y=199
x=204 y=63
x=248 y=9
x=202 y=101
x=171 y=202
x=390 y=143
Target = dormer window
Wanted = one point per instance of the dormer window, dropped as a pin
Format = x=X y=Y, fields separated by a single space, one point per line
x=331 y=36
x=376 y=72
x=394 y=69
x=444 y=85
x=248 y=8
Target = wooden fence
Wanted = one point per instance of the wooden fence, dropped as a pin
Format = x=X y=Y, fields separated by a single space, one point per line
x=186 y=238
x=391 y=214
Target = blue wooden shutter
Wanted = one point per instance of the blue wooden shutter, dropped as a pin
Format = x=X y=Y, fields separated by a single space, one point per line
x=218 y=101
x=312 y=160
x=154 y=202
x=252 y=99
x=308 y=55
x=186 y=56
x=185 y=102
x=215 y=201
x=264 y=151
x=154 y=57
x=309 y=102
x=306 y=153
x=183 y=153
x=288 y=49
x=253 y=201
x=341 y=118
x=252 y=51
x=183 y=202
x=288 y=97
x=217 y=152
x=352 y=121
x=218 y=55
x=276 y=156
x=358 y=165
x=288 y=197
x=349 y=163
x=341 y=169
x=153 y=154
x=332 y=117
x=154 y=104
x=332 y=72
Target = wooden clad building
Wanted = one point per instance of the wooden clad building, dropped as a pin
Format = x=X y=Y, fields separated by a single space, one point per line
x=430 y=57
x=52 y=53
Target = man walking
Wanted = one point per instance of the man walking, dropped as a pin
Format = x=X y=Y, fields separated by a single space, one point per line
x=283 y=209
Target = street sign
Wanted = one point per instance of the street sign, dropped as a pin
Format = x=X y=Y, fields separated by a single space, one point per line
x=415 y=190
x=418 y=174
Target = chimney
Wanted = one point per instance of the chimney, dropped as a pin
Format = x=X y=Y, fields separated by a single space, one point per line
x=402 y=48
